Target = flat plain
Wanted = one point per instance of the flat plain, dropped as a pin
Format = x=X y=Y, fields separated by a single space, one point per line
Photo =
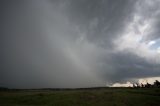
x=82 y=97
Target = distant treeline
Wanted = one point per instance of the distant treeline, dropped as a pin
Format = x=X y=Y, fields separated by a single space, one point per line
x=156 y=84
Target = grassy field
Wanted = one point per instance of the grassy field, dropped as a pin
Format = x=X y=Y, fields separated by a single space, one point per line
x=82 y=97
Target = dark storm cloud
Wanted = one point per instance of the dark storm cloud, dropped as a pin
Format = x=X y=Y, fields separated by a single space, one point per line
x=58 y=43
x=127 y=65
x=102 y=20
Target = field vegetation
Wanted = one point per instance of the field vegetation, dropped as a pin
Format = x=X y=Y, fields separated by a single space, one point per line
x=82 y=97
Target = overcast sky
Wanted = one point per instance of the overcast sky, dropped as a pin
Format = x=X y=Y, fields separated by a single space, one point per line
x=78 y=43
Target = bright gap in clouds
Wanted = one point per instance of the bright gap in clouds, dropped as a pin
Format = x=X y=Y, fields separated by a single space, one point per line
x=154 y=45
x=149 y=80
x=151 y=43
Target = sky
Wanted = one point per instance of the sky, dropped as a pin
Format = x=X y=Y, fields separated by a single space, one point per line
x=78 y=43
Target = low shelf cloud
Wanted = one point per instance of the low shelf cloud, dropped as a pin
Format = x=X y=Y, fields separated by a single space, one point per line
x=78 y=43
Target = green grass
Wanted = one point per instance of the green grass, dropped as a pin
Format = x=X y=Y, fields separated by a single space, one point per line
x=88 y=97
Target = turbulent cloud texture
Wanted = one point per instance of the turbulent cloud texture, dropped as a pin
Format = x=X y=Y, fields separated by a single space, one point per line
x=78 y=43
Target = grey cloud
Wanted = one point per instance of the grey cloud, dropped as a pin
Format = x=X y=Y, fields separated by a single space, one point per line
x=102 y=20
x=128 y=66
x=36 y=38
x=149 y=11
x=58 y=43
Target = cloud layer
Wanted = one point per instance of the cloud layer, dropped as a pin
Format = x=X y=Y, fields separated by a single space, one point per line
x=78 y=43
